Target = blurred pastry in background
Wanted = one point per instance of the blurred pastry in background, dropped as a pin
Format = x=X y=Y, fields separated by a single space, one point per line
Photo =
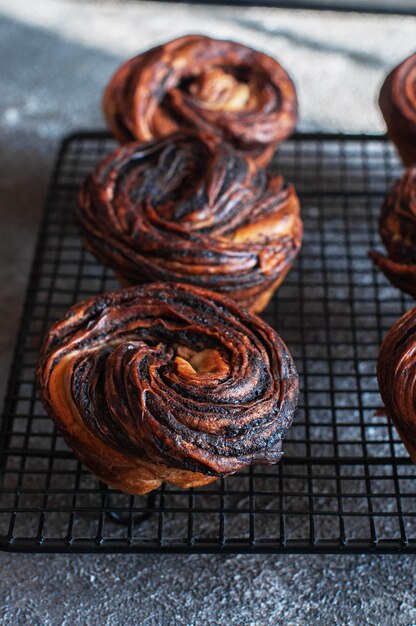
x=396 y=374
x=238 y=94
x=398 y=104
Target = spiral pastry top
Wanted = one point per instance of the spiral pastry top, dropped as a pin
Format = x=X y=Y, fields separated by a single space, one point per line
x=398 y=105
x=398 y=232
x=186 y=209
x=167 y=382
x=396 y=373
x=238 y=94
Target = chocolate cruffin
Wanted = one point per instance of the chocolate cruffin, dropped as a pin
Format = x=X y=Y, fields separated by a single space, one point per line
x=398 y=105
x=396 y=374
x=397 y=226
x=167 y=383
x=184 y=208
x=237 y=94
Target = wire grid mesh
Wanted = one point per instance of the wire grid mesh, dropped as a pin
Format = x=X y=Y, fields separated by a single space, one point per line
x=346 y=483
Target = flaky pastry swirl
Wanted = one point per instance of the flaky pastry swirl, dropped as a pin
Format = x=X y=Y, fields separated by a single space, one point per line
x=396 y=373
x=398 y=231
x=167 y=382
x=238 y=94
x=398 y=104
x=185 y=209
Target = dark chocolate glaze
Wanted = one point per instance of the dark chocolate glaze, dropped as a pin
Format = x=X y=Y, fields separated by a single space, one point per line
x=131 y=392
x=184 y=208
x=238 y=94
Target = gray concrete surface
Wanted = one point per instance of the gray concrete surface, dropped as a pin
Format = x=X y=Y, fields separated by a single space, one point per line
x=56 y=58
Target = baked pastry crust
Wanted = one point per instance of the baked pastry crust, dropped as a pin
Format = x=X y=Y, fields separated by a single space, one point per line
x=167 y=383
x=234 y=92
x=397 y=228
x=396 y=373
x=187 y=209
x=398 y=104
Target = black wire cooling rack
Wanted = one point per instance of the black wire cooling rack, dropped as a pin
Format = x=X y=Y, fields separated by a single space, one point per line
x=346 y=483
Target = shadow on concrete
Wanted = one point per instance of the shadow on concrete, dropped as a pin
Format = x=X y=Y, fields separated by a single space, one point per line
x=310 y=43
x=50 y=86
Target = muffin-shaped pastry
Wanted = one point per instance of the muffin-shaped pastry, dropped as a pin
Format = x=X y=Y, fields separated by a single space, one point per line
x=398 y=232
x=396 y=373
x=187 y=209
x=238 y=94
x=167 y=382
x=398 y=104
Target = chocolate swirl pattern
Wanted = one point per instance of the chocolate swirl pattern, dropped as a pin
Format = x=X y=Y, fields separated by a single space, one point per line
x=398 y=232
x=167 y=382
x=396 y=373
x=186 y=209
x=237 y=94
x=398 y=104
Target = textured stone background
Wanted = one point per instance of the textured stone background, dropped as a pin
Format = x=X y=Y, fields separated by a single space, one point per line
x=56 y=58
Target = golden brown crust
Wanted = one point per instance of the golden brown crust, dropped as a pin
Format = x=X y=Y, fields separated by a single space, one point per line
x=167 y=383
x=398 y=232
x=184 y=208
x=396 y=373
x=398 y=104
x=237 y=94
